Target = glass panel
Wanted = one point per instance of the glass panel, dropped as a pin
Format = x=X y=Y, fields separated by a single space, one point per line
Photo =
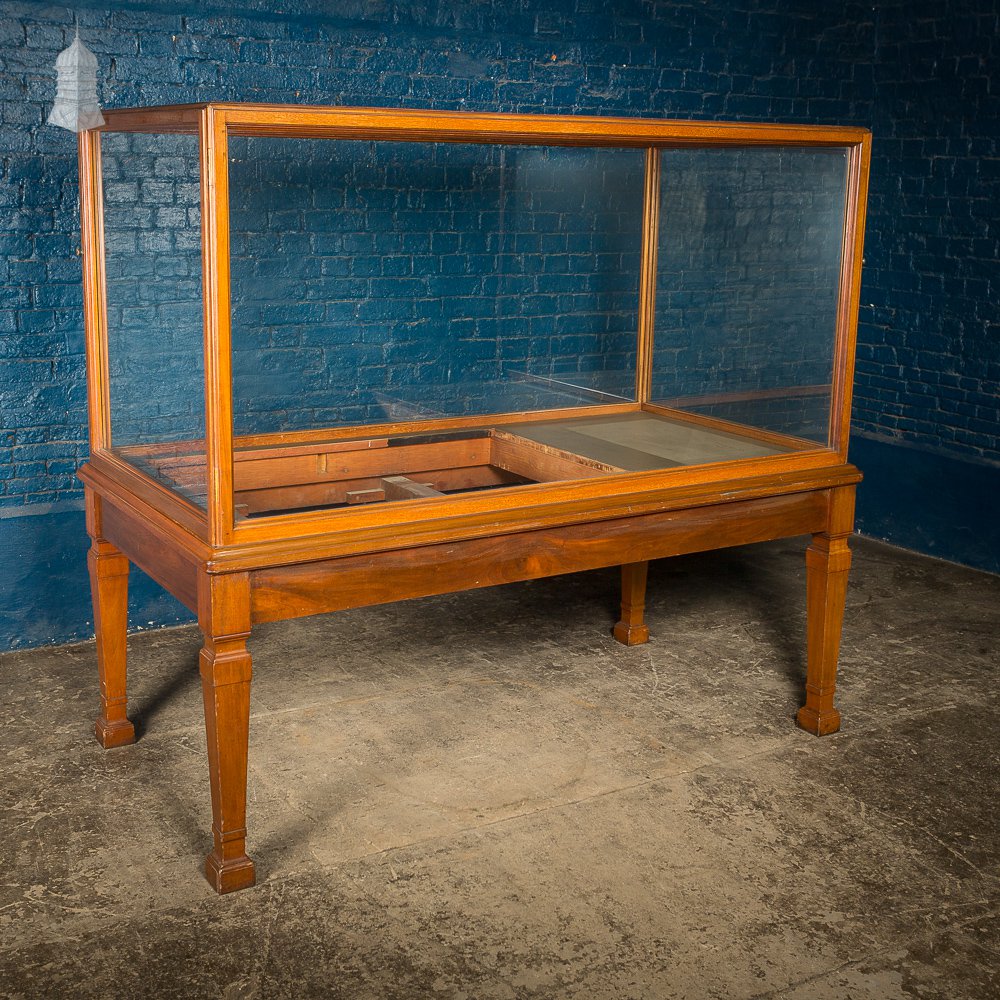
x=748 y=272
x=376 y=282
x=152 y=240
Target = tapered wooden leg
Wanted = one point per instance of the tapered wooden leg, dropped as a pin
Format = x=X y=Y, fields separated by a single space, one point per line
x=109 y=592
x=828 y=561
x=632 y=630
x=224 y=614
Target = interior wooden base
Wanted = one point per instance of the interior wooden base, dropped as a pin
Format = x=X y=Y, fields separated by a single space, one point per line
x=307 y=475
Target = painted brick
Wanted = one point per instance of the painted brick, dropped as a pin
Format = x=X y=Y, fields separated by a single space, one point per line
x=932 y=222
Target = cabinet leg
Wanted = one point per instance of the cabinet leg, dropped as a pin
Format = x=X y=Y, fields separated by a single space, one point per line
x=828 y=561
x=631 y=630
x=109 y=590
x=225 y=680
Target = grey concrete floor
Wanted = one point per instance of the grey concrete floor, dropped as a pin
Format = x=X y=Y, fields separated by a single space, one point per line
x=483 y=795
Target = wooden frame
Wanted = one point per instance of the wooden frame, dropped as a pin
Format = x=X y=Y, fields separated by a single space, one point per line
x=548 y=509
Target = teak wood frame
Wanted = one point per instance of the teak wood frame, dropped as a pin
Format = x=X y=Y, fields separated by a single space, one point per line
x=235 y=572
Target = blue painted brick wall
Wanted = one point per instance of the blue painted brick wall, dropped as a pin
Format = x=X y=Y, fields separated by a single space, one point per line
x=372 y=276
x=923 y=75
x=749 y=262
x=783 y=61
x=928 y=369
x=152 y=238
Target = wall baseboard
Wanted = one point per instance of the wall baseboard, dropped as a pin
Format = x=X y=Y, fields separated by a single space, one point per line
x=928 y=502
x=44 y=588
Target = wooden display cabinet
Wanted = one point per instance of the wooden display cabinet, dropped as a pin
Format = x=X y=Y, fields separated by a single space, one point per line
x=340 y=357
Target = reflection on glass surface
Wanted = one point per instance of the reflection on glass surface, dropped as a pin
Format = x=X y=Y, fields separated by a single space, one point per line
x=748 y=270
x=152 y=240
x=377 y=282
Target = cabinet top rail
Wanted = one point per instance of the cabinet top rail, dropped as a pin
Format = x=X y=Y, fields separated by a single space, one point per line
x=305 y=121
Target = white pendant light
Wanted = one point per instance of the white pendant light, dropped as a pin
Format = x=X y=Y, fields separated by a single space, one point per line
x=76 y=106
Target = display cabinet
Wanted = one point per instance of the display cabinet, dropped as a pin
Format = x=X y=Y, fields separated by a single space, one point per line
x=339 y=357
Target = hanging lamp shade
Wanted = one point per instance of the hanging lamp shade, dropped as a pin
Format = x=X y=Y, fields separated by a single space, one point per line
x=76 y=106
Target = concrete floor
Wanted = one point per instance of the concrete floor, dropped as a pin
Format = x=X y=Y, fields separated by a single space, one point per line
x=483 y=795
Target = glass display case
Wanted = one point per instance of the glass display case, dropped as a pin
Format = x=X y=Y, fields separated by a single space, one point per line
x=335 y=355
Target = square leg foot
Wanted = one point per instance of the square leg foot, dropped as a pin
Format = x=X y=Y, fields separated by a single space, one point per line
x=818 y=723
x=631 y=635
x=231 y=875
x=119 y=733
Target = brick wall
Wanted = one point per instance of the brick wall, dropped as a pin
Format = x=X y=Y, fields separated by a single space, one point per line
x=685 y=59
x=375 y=280
x=152 y=239
x=370 y=278
x=749 y=268
x=928 y=368
x=923 y=75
